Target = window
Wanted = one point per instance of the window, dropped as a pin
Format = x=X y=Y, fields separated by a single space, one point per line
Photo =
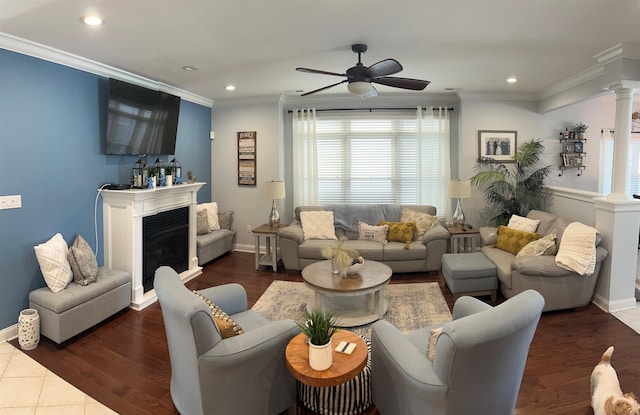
x=376 y=158
x=633 y=166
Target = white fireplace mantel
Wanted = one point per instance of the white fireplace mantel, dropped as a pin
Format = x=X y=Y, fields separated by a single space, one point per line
x=123 y=211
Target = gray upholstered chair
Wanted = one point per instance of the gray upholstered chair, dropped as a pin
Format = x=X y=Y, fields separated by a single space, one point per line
x=244 y=374
x=478 y=365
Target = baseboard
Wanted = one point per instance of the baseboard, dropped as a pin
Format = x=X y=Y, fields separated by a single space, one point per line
x=9 y=333
x=614 y=306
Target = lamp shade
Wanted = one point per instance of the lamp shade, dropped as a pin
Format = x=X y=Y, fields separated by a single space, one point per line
x=273 y=190
x=460 y=189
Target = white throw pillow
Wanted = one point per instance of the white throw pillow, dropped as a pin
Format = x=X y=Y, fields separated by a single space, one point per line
x=373 y=233
x=212 y=214
x=318 y=224
x=523 y=224
x=52 y=257
x=423 y=222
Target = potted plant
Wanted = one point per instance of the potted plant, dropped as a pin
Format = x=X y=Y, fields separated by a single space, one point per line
x=168 y=172
x=341 y=258
x=319 y=326
x=516 y=188
x=579 y=128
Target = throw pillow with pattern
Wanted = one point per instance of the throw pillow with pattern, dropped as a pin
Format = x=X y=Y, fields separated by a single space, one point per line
x=400 y=231
x=372 y=233
x=423 y=222
x=513 y=240
x=82 y=261
x=226 y=325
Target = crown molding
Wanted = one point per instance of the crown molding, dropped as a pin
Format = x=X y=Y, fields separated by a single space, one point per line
x=572 y=81
x=37 y=50
x=496 y=96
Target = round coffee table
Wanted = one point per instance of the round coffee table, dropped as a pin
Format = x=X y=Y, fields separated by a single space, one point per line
x=354 y=300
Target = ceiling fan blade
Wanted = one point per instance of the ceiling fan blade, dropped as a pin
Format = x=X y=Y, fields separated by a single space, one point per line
x=404 y=83
x=319 y=72
x=383 y=68
x=323 y=88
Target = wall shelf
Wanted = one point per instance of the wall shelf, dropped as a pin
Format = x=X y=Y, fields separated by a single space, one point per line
x=572 y=153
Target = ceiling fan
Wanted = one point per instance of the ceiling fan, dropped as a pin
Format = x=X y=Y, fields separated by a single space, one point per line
x=361 y=77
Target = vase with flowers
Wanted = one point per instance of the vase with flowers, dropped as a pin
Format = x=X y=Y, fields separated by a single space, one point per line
x=341 y=258
x=319 y=326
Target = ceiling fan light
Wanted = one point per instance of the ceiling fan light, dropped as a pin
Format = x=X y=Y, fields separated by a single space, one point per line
x=359 y=88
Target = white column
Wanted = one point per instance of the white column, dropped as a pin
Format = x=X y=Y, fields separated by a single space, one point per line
x=622 y=138
x=617 y=223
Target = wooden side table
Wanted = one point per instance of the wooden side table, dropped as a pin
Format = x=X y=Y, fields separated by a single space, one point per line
x=463 y=238
x=271 y=243
x=343 y=369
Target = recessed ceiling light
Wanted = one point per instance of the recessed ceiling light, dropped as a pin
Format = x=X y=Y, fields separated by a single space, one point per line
x=230 y=88
x=512 y=79
x=189 y=68
x=92 y=20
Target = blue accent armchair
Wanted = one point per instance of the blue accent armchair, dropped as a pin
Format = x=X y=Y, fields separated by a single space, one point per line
x=479 y=360
x=244 y=374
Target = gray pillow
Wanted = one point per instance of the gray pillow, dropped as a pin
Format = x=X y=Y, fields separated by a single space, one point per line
x=225 y=219
x=83 y=263
x=202 y=222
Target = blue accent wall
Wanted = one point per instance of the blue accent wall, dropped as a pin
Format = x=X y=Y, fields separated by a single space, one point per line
x=52 y=127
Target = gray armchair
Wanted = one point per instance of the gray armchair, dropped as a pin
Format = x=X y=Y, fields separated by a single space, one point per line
x=245 y=374
x=478 y=365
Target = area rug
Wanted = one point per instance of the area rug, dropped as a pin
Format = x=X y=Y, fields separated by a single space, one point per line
x=409 y=306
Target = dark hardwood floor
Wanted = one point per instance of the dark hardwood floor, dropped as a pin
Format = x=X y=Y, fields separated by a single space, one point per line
x=124 y=362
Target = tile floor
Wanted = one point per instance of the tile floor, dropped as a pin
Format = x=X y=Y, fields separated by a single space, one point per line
x=28 y=388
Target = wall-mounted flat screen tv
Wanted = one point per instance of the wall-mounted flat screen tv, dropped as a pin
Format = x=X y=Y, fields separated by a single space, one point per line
x=141 y=121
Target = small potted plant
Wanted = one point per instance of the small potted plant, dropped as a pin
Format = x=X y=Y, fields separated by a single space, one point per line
x=319 y=326
x=168 y=172
x=579 y=128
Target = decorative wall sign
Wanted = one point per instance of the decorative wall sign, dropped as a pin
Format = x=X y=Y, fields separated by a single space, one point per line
x=247 y=158
x=497 y=145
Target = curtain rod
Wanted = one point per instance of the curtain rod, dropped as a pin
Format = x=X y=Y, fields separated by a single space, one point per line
x=370 y=109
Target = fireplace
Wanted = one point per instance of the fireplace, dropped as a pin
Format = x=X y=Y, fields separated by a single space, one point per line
x=165 y=241
x=125 y=215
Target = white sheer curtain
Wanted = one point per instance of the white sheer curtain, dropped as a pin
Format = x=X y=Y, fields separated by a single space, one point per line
x=363 y=157
x=433 y=131
x=305 y=169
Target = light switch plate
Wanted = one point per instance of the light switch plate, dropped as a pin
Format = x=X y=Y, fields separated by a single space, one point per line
x=10 y=202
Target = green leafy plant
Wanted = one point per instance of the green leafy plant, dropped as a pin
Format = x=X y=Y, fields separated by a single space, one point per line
x=579 y=127
x=516 y=188
x=318 y=326
x=343 y=256
x=168 y=170
x=153 y=171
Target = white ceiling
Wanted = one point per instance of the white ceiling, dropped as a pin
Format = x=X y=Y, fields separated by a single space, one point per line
x=467 y=45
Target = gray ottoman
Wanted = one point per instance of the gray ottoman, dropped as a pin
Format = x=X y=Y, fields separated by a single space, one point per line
x=470 y=274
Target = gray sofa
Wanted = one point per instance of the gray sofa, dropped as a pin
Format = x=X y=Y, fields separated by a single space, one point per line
x=78 y=307
x=297 y=253
x=561 y=289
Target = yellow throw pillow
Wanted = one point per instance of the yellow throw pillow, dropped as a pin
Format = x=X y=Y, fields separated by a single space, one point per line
x=226 y=325
x=513 y=240
x=399 y=231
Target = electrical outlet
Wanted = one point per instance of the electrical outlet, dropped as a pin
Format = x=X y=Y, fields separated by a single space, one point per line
x=248 y=228
x=10 y=202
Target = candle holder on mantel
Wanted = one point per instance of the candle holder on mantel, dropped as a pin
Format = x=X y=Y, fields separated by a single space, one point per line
x=177 y=171
x=137 y=174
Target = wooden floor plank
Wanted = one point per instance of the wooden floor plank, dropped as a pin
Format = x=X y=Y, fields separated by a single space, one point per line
x=124 y=362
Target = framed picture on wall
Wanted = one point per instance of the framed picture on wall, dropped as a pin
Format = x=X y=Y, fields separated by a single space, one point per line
x=247 y=158
x=498 y=145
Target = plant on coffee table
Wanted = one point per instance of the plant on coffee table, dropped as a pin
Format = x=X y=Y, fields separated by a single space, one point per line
x=342 y=256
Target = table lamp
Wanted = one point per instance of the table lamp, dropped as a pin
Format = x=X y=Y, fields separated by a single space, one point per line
x=460 y=189
x=273 y=190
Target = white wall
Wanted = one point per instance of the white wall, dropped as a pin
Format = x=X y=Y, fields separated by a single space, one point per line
x=248 y=206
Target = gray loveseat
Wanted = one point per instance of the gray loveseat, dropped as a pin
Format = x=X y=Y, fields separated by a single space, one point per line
x=561 y=289
x=297 y=252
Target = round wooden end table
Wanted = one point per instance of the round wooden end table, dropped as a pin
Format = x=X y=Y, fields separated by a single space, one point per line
x=344 y=367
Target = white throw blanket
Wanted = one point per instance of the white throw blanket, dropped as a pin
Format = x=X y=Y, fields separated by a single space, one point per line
x=577 y=250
